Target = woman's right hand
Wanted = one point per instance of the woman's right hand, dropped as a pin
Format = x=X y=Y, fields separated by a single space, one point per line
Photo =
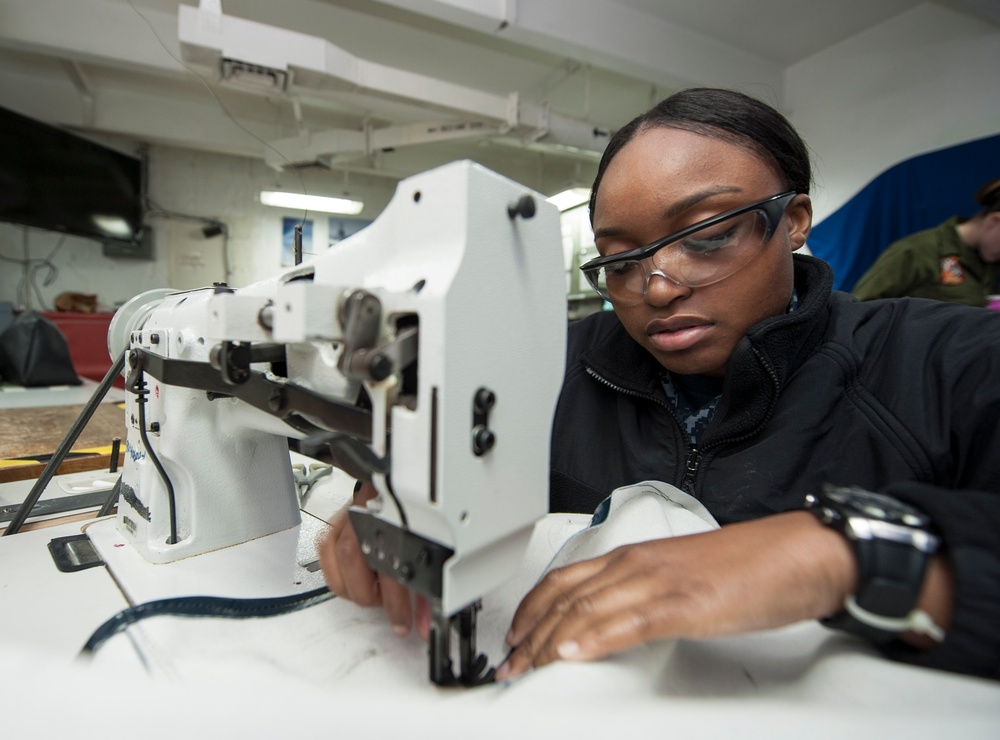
x=348 y=575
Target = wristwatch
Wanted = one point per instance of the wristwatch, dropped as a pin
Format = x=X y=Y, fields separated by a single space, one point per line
x=892 y=542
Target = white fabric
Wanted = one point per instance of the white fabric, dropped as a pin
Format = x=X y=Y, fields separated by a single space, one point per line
x=338 y=667
x=645 y=511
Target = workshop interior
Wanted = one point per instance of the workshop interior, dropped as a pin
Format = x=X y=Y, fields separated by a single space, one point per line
x=254 y=253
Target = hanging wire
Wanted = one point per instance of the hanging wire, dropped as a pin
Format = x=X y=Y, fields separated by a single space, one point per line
x=222 y=106
x=30 y=268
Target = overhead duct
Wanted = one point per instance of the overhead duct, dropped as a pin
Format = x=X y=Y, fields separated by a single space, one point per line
x=324 y=147
x=301 y=62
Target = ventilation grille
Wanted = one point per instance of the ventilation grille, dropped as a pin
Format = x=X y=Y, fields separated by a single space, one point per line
x=253 y=76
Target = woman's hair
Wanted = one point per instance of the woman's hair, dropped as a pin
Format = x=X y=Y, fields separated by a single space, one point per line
x=727 y=115
x=988 y=196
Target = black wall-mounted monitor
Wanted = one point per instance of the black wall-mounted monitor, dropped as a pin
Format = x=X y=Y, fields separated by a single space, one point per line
x=53 y=179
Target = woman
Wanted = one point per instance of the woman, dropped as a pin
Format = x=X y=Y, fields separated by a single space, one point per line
x=731 y=370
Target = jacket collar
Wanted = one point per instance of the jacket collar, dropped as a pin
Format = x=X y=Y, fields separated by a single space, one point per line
x=762 y=361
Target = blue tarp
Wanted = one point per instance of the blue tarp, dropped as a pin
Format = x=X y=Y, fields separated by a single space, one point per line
x=911 y=196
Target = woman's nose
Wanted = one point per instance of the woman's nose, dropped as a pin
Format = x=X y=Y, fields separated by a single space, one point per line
x=660 y=289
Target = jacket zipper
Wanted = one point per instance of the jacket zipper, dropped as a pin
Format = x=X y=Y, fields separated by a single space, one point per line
x=691 y=469
x=694 y=452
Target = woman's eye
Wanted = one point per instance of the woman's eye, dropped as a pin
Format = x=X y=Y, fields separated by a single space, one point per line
x=620 y=269
x=705 y=243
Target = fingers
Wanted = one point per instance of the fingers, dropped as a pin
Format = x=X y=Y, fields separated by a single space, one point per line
x=348 y=575
x=396 y=601
x=345 y=568
x=553 y=594
x=423 y=618
x=583 y=613
x=743 y=577
x=602 y=623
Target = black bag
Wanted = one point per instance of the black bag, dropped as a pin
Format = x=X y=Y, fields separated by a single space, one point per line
x=33 y=352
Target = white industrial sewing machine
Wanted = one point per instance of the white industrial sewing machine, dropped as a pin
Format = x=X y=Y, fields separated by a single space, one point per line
x=428 y=351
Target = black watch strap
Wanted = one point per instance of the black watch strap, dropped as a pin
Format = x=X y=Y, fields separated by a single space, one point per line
x=892 y=544
x=890 y=575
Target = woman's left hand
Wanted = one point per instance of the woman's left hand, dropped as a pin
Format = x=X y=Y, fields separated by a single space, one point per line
x=744 y=577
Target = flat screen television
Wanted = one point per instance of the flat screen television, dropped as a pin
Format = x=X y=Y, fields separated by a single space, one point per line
x=53 y=179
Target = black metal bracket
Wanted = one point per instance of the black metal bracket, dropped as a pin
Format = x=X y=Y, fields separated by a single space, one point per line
x=414 y=561
x=299 y=407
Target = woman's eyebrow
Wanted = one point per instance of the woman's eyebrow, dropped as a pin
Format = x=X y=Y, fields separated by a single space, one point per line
x=610 y=231
x=682 y=205
x=675 y=209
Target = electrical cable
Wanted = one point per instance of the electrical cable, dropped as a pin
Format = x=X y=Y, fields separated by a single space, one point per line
x=140 y=399
x=222 y=107
x=153 y=209
x=29 y=268
x=205 y=606
x=64 y=447
x=399 y=504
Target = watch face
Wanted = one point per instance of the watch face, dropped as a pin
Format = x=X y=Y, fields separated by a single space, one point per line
x=876 y=506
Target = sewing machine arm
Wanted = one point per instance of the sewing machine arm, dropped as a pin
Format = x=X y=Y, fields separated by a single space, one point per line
x=345 y=427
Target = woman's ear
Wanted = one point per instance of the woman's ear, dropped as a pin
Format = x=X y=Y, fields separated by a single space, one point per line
x=799 y=218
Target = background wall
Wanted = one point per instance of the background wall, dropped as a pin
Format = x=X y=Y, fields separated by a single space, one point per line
x=184 y=186
x=921 y=81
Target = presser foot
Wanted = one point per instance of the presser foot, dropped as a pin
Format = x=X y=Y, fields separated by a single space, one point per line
x=473 y=670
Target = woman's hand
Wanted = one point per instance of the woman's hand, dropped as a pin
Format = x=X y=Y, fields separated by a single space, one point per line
x=348 y=575
x=744 y=577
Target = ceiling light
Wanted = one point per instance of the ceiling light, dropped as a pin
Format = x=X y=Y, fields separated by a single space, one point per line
x=570 y=198
x=300 y=202
x=114 y=226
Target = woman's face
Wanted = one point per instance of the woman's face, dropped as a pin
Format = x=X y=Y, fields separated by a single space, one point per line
x=664 y=180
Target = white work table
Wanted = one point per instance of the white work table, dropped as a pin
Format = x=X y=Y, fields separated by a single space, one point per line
x=336 y=668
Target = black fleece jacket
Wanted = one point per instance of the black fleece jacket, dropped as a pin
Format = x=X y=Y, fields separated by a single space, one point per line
x=900 y=396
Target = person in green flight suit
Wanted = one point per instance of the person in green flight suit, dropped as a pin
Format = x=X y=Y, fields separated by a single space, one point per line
x=957 y=261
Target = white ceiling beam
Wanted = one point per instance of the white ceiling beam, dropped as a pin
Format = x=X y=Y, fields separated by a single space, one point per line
x=314 y=64
x=606 y=34
x=305 y=56
x=130 y=113
x=101 y=31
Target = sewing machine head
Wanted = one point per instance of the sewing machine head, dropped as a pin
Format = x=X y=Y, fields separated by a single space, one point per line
x=428 y=351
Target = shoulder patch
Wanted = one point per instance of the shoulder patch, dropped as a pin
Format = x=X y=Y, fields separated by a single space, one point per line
x=952 y=272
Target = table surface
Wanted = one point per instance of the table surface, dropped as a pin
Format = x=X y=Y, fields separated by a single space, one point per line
x=32 y=432
x=34 y=422
x=337 y=667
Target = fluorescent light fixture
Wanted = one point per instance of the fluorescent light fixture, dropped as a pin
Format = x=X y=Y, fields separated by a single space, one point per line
x=113 y=226
x=570 y=198
x=300 y=202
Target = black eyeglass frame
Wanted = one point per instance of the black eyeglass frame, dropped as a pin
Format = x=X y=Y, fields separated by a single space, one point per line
x=773 y=208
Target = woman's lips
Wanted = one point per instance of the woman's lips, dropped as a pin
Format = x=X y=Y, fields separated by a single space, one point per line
x=674 y=335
